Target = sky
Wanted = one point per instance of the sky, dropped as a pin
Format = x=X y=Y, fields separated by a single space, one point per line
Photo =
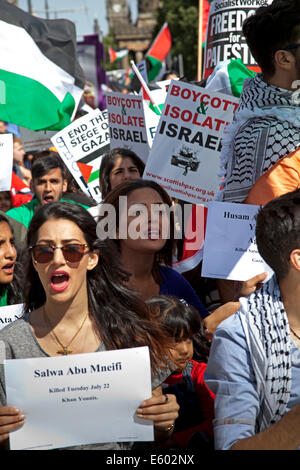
x=81 y=12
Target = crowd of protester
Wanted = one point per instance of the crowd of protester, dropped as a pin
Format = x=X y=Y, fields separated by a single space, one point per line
x=222 y=378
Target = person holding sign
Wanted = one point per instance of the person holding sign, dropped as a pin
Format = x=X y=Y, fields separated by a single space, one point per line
x=253 y=366
x=266 y=129
x=76 y=304
x=144 y=238
x=117 y=166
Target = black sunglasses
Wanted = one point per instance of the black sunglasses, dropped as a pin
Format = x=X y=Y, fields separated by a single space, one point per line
x=72 y=252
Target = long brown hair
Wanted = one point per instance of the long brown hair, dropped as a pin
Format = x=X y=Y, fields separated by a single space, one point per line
x=123 y=319
x=165 y=254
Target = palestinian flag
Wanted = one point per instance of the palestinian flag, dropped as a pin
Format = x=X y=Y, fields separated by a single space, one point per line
x=205 y=16
x=228 y=77
x=116 y=55
x=40 y=77
x=158 y=52
x=192 y=256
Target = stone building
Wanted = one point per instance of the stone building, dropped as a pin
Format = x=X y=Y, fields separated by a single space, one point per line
x=137 y=37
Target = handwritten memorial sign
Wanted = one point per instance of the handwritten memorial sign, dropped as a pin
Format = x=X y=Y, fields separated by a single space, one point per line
x=224 y=37
x=6 y=158
x=79 y=399
x=127 y=123
x=184 y=157
x=230 y=250
x=81 y=145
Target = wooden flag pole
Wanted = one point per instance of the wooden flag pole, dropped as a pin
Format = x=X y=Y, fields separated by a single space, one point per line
x=200 y=39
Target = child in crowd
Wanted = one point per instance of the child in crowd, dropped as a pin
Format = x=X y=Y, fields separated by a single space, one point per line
x=182 y=323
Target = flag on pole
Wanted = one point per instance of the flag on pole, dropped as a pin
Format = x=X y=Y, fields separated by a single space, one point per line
x=205 y=16
x=158 y=52
x=116 y=55
x=42 y=81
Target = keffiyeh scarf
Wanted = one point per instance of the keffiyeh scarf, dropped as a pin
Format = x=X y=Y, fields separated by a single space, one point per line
x=267 y=330
x=266 y=127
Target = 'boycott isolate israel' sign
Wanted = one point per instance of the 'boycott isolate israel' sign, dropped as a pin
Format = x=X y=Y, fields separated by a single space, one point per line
x=224 y=38
x=185 y=155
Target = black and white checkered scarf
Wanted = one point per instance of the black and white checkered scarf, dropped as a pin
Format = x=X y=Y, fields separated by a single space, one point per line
x=266 y=127
x=268 y=335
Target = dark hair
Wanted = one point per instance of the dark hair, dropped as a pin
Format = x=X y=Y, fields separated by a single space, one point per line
x=165 y=255
x=107 y=163
x=14 y=288
x=43 y=162
x=270 y=28
x=122 y=318
x=278 y=231
x=180 y=320
x=169 y=72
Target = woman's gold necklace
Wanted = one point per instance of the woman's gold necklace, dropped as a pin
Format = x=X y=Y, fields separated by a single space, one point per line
x=64 y=351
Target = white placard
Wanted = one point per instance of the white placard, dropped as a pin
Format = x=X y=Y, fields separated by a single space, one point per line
x=230 y=250
x=79 y=399
x=152 y=115
x=81 y=145
x=127 y=123
x=36 y=140
x=184 y=158
x=6 y=161
x=10 y=313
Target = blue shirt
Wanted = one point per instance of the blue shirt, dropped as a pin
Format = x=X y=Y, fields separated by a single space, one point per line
x=229 y=374
x=175 y=284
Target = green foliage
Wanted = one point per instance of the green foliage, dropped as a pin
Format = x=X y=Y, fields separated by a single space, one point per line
x=182 y=18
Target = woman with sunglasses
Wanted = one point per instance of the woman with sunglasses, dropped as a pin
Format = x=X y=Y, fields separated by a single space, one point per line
x=10 y=276
x=77 y=305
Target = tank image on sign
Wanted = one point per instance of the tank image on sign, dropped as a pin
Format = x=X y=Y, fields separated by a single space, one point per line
x=187 y=159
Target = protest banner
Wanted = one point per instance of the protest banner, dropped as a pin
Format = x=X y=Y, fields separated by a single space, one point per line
x=81 y=145
x=6 y=157
x=127 y=123
x=36 y=140
x=230 y=250
x=10 y=313
x=224 y=37
x=184 y=158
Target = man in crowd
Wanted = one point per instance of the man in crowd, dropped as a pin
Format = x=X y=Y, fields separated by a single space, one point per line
x=254 y=362
x=266 y=127
x=48 y=184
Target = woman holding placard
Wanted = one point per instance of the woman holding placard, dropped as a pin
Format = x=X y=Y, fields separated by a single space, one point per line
x=79 y=304
x=146 y=253
x=145 y=249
